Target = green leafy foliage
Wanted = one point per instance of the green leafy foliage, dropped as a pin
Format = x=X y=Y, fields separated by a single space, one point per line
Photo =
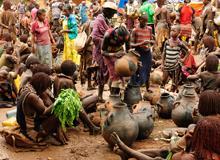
x=66 y=107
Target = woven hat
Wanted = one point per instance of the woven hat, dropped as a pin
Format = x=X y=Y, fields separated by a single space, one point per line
x=110 y=5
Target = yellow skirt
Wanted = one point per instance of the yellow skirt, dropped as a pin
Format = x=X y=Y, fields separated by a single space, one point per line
x=69 y=52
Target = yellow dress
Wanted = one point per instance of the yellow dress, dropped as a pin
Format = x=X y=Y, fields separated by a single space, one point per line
x=69 y=52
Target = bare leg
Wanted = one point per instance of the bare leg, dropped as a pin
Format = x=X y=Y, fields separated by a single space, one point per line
x=85 y=119
x=130 y=152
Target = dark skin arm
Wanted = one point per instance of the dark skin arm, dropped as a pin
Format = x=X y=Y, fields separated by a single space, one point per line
x=37 y=103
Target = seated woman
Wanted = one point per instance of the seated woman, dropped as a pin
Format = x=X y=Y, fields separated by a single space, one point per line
x=205 y=141
x=34 y=118
x=210 y=76
x=65 y=81
x=7 y=90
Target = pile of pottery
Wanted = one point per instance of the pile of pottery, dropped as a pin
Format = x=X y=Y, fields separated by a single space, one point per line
x=129 y=126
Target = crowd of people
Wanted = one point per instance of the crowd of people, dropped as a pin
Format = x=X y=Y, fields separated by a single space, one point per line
x=42 y=50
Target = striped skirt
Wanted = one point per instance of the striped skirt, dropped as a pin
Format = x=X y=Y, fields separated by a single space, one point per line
x=186 y=30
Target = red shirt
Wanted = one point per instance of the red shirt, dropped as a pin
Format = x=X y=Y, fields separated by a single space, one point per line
x=41 y=33
x=186 y=14
x=141 y=34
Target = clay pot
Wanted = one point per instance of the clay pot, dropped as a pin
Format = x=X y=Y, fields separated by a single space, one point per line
x=127 y=65
x=156 y=77
x=141 y=106
x=153 y=95
x=183 y=109
x=165 y=105
x=188 y=90
x=132 y=95
x=122 y=122
x=145 y=123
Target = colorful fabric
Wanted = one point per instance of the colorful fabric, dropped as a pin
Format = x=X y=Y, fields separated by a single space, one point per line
x=110 y=62
x=190 y=61
x=149 y=9
x=122 y=3
x=71 y=25
x=140 y=35
x=41 y=32
x=186 y=30
x=44 y=54
x=100 y=26
x=83 y=13
x=186 y=14
x=34 y=13
x=69 y=52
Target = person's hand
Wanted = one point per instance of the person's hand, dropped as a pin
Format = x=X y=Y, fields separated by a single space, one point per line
x=119 y=54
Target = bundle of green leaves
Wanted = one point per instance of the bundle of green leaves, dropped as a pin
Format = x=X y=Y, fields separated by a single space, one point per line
x=67 y=107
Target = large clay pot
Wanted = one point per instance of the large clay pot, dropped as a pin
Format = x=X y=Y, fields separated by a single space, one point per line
x=153 y=95
x=156 y=77
x=145 y=123
x=122 y=122
x=127 y=65
x=132 y=95
x=183 y=109
x=142 y=106
x=189 y=90
x=165 y=105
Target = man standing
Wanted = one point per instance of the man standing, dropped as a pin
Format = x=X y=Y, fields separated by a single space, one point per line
x=100 y=26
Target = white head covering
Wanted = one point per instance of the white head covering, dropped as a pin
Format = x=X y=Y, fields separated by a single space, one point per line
x=110 y=5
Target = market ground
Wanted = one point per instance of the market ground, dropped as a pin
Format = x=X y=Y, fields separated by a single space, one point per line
x=83 y=146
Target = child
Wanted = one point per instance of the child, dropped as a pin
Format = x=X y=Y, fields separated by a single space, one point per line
x=7 y=59
x=65 y=81
x=171 y=58
x=140 y=39
x=210 y=76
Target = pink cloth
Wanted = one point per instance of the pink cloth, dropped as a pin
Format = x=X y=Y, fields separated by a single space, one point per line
x=41 y=33
x=34 y=13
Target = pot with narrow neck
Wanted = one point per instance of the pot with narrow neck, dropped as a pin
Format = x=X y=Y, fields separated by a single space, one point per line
x=165 y=105
x=121 y=121
x=127 y=65
x=184 y=106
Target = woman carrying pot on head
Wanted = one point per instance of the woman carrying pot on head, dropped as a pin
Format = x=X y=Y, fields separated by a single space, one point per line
x=112 y=48
x=70 y=32
x=42 y=38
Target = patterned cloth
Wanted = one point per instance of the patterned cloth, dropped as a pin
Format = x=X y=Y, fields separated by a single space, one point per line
x=69 y=52
x=100 y=26
x=186 y=30
x=172 y=55
x=141 y=34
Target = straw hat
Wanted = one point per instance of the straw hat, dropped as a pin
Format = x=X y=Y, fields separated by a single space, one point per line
x=110 y=5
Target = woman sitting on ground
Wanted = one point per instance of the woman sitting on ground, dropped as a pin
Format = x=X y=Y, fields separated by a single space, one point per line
x=35 y=119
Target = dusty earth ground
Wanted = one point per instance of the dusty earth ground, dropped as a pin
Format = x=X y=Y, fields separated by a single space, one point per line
x=82 y=146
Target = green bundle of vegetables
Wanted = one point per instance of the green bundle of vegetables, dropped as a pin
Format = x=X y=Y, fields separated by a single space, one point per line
x=66 y=107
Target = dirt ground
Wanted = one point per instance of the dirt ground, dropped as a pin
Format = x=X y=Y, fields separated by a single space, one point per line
x=82 y=146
